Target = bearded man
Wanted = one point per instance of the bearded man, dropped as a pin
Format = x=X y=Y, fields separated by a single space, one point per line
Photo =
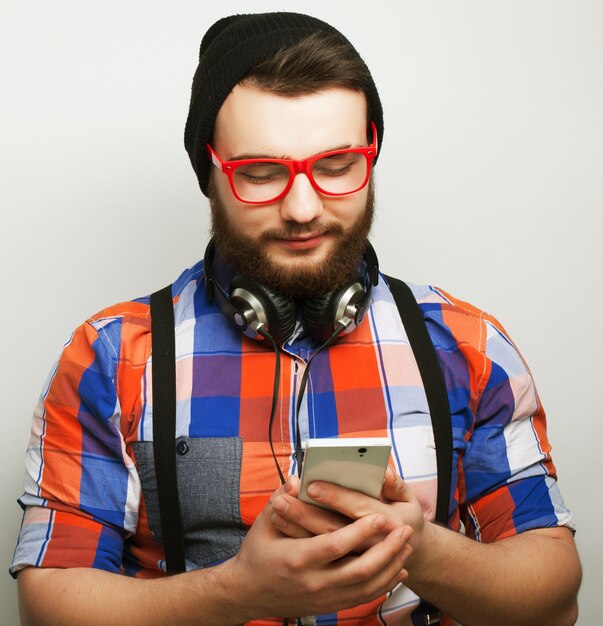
x=286 y=332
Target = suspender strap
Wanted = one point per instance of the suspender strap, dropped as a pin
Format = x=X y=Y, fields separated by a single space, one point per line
x=164 y=426
x=164 y=410
x=437 y=401
x=435 y=388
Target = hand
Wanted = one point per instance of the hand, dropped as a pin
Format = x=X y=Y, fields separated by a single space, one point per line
x=277 y=575
x=397 y=504
x=299 y=519
x=541 y=566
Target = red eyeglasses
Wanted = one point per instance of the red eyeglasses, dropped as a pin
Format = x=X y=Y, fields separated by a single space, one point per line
x=333 y=173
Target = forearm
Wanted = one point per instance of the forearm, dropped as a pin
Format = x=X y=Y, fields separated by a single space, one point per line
x=90 y=597
x=272 y=575
x=529 y=579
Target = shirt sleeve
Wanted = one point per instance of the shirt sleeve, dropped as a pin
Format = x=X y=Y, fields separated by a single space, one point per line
x=510 y=480
x=82 y=491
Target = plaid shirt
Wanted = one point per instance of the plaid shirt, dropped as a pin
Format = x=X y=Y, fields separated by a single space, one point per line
x=90 y=496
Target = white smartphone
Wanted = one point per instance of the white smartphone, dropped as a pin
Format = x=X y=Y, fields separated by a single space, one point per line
x=356 y=463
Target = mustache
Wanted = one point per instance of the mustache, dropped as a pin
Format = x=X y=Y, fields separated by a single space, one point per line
x=293 y=229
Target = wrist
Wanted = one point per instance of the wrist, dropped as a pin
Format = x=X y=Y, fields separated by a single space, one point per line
x=425 y=546
x=234 y=586
x=222 y=594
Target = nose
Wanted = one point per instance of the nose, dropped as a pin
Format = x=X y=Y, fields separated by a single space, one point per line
x=303 y=203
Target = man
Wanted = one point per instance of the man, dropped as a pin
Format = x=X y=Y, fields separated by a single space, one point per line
x=284 y=128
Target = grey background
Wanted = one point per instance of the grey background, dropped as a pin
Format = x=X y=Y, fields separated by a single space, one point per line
x=489 y=185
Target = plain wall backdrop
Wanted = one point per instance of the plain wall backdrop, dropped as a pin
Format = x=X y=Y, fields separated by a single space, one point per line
x=490 y=185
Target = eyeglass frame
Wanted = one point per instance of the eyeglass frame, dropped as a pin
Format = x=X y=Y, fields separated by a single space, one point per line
x=303 y=166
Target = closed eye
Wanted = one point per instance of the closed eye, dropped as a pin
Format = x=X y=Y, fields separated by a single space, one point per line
x=261 y=173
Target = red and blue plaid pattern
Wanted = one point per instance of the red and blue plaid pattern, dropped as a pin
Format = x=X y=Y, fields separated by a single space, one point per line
x=83 y=501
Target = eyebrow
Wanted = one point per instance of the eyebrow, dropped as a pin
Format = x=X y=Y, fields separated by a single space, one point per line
x=251 y=155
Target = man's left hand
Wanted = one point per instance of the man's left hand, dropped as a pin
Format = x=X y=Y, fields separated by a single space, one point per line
x=397 y=504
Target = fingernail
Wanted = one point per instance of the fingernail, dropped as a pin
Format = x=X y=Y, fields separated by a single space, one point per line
x=315 y=491
x=402 y=576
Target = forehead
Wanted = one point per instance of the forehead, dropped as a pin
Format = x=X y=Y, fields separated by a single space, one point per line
x=259 y=122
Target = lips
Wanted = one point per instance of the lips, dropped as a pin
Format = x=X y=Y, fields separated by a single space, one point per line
x=306 y=242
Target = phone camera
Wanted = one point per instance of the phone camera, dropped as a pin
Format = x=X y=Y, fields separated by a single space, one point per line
x=361 y=451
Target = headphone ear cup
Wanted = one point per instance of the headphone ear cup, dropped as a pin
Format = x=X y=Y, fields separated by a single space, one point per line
x=323 y=314
x=277 y=310
x=319 y=315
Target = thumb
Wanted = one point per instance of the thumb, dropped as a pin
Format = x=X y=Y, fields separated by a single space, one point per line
x=395 y=488
x=291 y=486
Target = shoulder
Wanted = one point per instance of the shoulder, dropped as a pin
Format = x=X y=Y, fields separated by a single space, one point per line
x=431 y=297
x=434 y=302
x=456 y=316
x=473 y=347
x=130 y=320
x=461 y=330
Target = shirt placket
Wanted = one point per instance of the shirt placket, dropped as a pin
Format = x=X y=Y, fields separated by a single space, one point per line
x=299 y=353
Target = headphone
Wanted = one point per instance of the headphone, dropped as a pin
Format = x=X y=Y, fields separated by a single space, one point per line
x=258 y=311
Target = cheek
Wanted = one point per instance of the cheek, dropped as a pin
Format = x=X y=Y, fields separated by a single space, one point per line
x=235 y=212
x=241 y=215
x=347 y=210
x=223 y=191
x=248 y=222
x=246 y=219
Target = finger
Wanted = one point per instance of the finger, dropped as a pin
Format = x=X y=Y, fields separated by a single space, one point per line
x=378 y=586
x=289 y=528
x=349 y=503
x=292 y=485
x=333 y=546
x=390 y=481
x=395 y=488
x=379 y=565
x=352 y=580
x=315 y=520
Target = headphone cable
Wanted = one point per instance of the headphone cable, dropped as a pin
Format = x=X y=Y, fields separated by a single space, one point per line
x=275 y=395
x=299 y=453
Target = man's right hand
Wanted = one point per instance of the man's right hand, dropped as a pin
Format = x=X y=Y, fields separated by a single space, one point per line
x=277 y=576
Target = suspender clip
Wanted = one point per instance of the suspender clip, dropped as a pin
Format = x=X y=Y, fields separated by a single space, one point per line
x=432 y=618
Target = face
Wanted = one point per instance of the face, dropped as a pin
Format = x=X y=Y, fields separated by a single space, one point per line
x=306 y=243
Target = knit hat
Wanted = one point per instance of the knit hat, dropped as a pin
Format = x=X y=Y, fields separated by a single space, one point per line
x=230 y=49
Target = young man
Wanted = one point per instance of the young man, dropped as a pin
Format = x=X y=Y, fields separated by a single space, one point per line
x=284 y=128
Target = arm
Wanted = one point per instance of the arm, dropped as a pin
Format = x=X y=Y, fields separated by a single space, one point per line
x=272 y=575
x=532 y=578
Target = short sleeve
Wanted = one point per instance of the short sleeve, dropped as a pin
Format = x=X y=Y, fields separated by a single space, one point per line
x=510 y=478
x=82 y=491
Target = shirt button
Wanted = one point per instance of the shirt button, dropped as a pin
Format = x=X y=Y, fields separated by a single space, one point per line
x=182 y=448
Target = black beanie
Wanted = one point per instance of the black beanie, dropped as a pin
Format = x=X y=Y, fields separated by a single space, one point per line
x=230 y=49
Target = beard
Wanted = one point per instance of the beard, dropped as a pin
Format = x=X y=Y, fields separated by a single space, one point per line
x=298 y=279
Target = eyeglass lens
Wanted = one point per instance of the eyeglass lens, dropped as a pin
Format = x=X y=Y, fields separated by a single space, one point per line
x=340 y=173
